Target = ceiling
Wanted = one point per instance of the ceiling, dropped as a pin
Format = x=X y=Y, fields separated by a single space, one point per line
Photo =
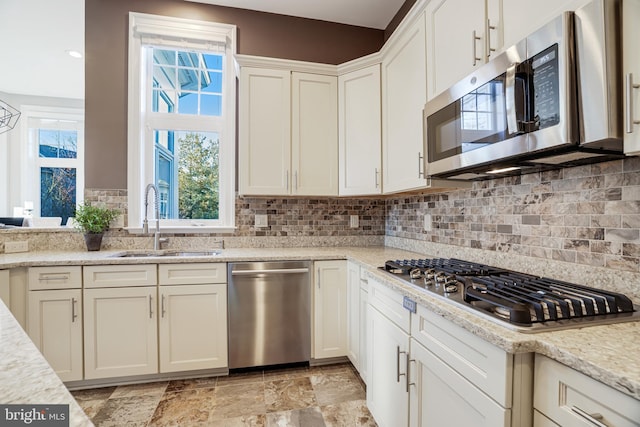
x=363 y=13
x=37 y=34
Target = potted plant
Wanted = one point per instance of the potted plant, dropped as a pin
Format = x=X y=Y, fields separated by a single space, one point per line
x=93 y=221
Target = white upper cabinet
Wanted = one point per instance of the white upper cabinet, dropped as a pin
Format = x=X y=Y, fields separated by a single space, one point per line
x=288 y=141
x=403 y=98
x=462 y=35
x=524 y=17
x=631 y=70
x=264 y=131
x=314 y=130
x=360 y=132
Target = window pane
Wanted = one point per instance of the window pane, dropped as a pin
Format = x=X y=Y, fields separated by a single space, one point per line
x=180 y=78
x=58 y=192
x=211 y=105
x=188 y=103
x=196 y=191
x=59 y=144
x=213 y=83
x=212 y=62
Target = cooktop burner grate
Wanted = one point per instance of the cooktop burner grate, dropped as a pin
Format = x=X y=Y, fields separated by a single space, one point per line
x=517 y=298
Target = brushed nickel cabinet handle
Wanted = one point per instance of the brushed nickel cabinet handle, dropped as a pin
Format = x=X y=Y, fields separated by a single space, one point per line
x=150 y=307
x=474 y=39
x=629 y=87
x=74 y=315
x=591 y=418
x=420 y=165
x=162 y=306
x=488 y=29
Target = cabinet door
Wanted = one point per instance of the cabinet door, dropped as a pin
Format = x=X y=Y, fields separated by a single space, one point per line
x=264 y=131
x=403 y=98
x=55 y=326
x=5 y=294
x=360 y=132
x=522 y=18
x=314 y=130
x=387 y=396
x=330 y=309
x=442 y=397
x=631 y=70
x=456 y=41
x=353 y=314
x=121 y=332
x=364 y=296
x=193 y=327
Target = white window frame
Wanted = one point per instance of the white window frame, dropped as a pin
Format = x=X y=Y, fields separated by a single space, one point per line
x=178 y=33
x=30 y=157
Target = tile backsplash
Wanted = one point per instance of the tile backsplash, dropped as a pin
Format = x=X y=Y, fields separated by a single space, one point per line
x=586 y=215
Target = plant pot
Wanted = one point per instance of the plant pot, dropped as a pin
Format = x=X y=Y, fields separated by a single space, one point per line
x=93 y=241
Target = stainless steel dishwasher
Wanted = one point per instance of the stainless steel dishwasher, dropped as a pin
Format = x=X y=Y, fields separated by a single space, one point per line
x=269 y=313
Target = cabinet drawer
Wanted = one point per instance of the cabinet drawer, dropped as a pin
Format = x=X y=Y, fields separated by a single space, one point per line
x=192 y=274
x=389 y=302
x=569 y=397
x=63 y=277
x=114 y=276
x=485 y=365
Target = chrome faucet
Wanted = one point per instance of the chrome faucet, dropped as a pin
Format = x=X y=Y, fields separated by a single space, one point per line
x=145 y=223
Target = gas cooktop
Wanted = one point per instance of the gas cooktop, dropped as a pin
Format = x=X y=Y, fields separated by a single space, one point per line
x=516 y=300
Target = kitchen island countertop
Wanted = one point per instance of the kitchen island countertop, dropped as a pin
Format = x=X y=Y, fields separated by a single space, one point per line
x=606 y=353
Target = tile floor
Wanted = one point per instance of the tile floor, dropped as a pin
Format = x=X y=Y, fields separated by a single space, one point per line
x=304 y=396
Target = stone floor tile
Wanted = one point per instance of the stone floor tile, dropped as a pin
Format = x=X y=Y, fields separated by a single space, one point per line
x=185 y=408
x=235 y=400
x=348 y=414
x=148 y=389
x=336 y=387
x=127 y=411
x=307 y=417
x=288 y=394
x=189 y=384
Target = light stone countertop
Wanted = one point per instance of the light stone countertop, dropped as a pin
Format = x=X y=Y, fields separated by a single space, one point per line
x=608 y=354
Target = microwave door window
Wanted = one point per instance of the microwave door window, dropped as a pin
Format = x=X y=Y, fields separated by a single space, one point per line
x=444 y=132
x=483 y=114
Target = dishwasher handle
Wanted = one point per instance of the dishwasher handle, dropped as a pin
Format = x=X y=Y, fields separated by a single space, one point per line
x=270 y=271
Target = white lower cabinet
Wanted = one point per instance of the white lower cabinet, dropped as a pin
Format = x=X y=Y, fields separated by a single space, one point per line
x=193 y=316
x=566 y=397
x=353 y=314
x=55 y=326
x=440 y=396
x=5 y=291
x=364 y=297
x=423 y=370
x=387 y=357
x=330 y=309
x=121 y=332
x=387 y=398
x=54 y=319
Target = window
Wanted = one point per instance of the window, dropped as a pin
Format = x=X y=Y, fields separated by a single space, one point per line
x=56 y=144
x=182 y=121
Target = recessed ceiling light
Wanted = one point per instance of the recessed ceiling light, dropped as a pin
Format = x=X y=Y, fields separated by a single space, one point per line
x=74 y=53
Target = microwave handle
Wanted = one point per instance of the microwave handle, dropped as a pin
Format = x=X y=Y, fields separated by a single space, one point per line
x=510 y=99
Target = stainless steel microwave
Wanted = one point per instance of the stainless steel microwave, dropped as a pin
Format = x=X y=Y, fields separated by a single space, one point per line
x=552 y=100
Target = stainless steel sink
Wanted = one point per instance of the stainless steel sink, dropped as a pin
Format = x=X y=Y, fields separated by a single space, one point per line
x=167 y=254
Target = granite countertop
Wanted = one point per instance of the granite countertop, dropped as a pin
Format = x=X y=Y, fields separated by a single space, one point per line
x=605 y=353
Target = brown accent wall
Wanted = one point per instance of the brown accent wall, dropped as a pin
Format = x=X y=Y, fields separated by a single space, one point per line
x=259 y=33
